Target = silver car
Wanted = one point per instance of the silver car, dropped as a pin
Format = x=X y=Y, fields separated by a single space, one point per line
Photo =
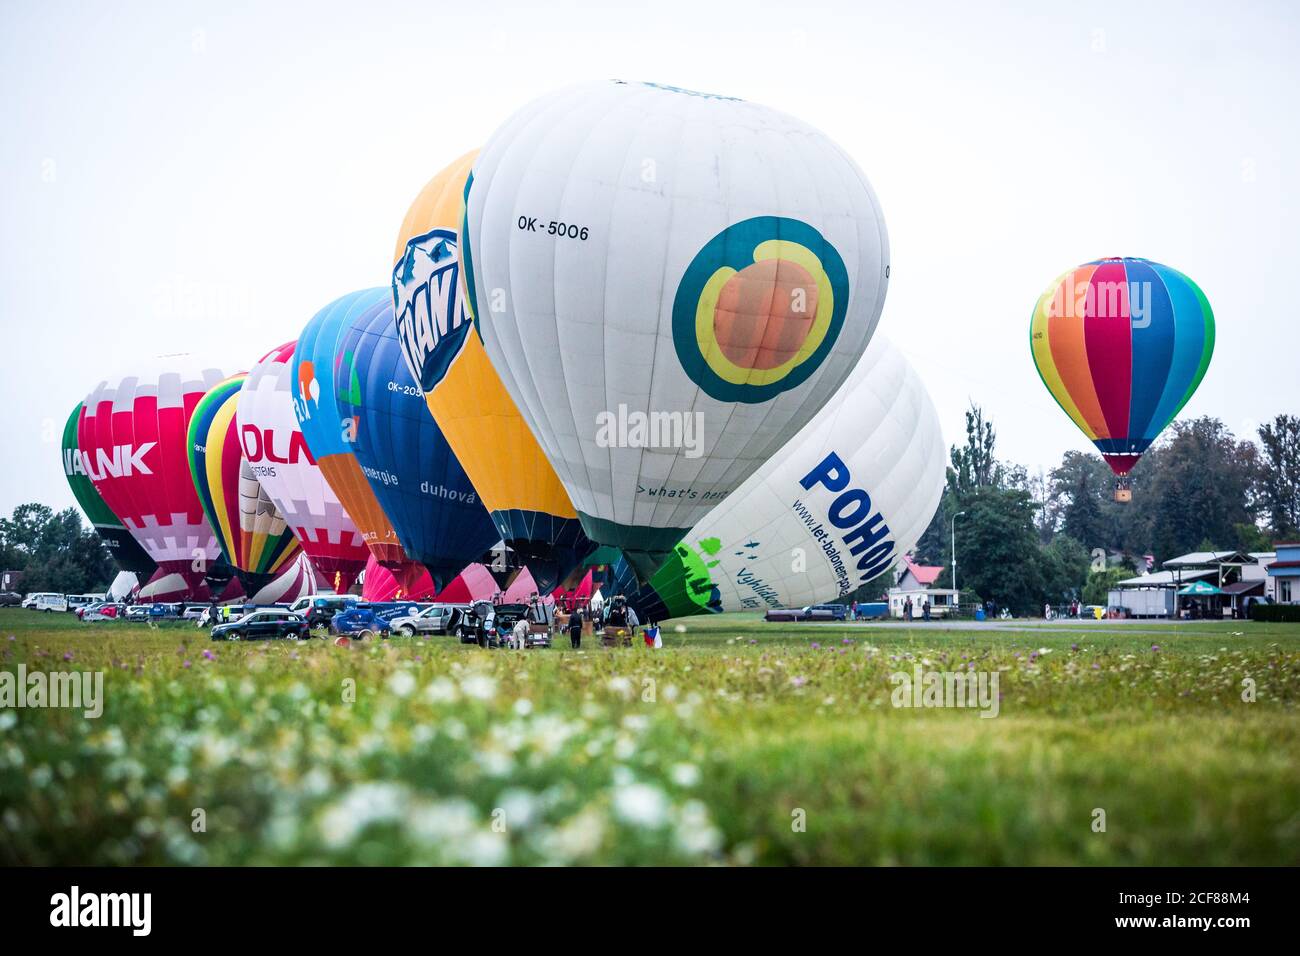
x=432 y=620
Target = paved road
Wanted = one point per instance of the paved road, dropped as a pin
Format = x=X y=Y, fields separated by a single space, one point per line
x=1067 y=626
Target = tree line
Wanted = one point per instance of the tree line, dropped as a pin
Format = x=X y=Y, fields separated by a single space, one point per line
x=55 y=551
x=1026 y=540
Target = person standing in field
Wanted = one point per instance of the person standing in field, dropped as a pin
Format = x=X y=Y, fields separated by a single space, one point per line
x=575 y=629
x=925 y=608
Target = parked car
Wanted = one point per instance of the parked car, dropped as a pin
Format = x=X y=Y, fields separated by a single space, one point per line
x=786 y=614
x=264 y=624
x=46 y=601
x=10 y=599
x=192 y=612
x=360 y=620
x=489 y=625
x=103 y=611
x=136 y=612
x=76 y=601
x=826 y=612
x=431 y=620
x=323 y=607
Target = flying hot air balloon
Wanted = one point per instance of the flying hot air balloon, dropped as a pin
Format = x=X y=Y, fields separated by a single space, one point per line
x=478 y=418
x=838 y=506
x=126 y=551
x=132 y=436
x=283 y=464
x=670 y=284
x=401 y=451
x=251 y=532
x=1122 y=344
x=329 y=432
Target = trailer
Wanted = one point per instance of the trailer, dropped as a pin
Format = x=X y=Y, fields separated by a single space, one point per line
x=1144 y=602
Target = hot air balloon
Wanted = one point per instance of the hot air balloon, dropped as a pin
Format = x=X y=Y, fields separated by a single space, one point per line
x=251 y=532
x=283 y=464
x=400 y=450
x=466 y=397
x=133 y=440
x=836 y=507
x=670 y=285
x=126 y=551
x=329 y=435
x=1122 y=344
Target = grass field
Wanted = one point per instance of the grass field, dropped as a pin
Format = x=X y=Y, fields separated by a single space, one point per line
x=739 y=742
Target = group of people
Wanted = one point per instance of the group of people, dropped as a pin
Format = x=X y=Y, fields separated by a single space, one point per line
x=910 y=609
x=618 y=615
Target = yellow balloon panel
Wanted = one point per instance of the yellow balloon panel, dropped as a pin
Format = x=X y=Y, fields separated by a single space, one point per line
x=468 y=400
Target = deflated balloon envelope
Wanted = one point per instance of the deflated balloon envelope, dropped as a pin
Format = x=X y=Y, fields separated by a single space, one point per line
x=1122 y=344
x=669 y=284
x=466 y=397
x=282 y=462
x=838 y=506
x=126 y=551
x=133 y=436
x=399 y=448
x=254 y=538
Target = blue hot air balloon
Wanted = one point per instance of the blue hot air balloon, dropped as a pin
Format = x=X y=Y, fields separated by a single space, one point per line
x=435 y=511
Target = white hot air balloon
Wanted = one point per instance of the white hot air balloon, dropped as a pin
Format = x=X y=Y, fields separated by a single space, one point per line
x=841 y=504
x=670 y=285
x=278 y=455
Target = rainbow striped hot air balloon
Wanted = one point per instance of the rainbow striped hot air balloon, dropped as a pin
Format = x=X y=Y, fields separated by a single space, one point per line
x=1122 y=344
x=251 y=532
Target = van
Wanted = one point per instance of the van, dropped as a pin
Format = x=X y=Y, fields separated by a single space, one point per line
x=45 y=601
x=84 y=600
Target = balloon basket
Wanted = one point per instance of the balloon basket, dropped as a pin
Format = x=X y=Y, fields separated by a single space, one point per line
x=1123 y=491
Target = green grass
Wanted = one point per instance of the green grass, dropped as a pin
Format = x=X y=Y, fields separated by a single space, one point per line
x=713 y=749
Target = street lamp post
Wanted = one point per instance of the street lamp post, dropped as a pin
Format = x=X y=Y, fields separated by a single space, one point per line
x=953 y=532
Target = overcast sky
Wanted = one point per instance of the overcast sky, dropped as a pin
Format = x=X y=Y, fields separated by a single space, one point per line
x=203 y=177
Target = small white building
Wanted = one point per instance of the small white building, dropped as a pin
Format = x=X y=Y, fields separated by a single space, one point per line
x=916 y=581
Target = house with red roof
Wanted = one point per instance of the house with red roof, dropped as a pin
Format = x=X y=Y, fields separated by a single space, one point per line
x=917 y=582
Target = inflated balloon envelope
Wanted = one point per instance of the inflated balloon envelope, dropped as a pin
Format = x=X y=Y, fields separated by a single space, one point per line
x=400 y=450
x=253 y=536
x=1122 y=344
x=518 y=486
x=132 y=435
x=328 y=431
x=670 y=284
x=283 y=464
x=838 y=506
x=126 y=551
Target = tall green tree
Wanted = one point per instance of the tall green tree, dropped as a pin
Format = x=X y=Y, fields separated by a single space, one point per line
x=55 y=551
x=998 y=553
x=974 y=465
x=1080 y=481
x=1199 y=489
x=1278 y=481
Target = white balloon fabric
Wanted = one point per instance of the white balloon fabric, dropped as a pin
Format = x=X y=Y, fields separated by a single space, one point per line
x=277 y=453
x=670 y=284
x=841 y=504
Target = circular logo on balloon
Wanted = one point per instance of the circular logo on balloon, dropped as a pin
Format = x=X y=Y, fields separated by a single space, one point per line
x=759 y=308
